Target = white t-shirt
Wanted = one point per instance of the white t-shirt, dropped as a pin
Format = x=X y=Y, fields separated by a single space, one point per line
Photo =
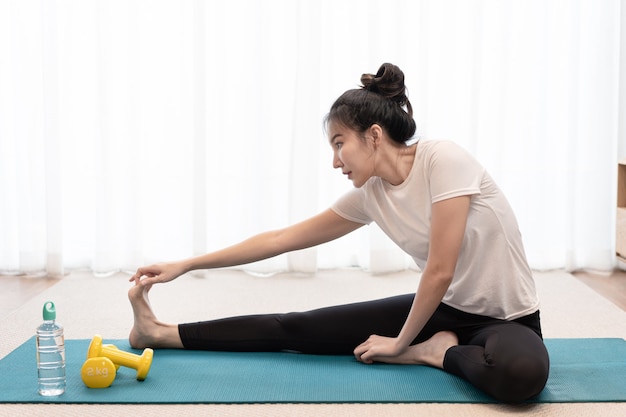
x=492 y=277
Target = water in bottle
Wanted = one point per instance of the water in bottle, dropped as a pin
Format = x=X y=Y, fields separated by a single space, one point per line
x=50 y=353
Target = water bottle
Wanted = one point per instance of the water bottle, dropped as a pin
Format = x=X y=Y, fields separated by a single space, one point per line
x=50 y=354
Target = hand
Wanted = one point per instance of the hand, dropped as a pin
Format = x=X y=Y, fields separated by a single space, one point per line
x=378 y=349
x=158 y=273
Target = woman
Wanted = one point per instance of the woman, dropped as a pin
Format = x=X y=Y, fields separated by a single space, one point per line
x=475 y=312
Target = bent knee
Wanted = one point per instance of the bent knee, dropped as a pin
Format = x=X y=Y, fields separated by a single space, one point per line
x=523 y=378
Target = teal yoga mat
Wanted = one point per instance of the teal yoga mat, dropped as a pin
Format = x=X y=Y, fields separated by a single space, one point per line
x=582 y=370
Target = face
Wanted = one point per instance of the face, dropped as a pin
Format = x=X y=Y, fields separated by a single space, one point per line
x=351 y=153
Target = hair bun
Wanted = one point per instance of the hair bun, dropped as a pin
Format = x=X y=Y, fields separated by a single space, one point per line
x=381 y=100
x=389 y=83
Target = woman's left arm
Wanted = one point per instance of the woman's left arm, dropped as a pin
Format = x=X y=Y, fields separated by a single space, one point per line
x=448 y=220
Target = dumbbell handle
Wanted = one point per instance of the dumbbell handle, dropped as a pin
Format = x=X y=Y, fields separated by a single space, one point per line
x=121 y=357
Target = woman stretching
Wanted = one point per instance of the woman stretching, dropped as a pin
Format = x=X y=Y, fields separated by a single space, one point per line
x=475 y=313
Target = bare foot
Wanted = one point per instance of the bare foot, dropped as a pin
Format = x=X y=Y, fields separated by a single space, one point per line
x=431 y=352
x=147 y=330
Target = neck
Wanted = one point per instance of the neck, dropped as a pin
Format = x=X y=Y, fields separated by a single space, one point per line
x=395 y=164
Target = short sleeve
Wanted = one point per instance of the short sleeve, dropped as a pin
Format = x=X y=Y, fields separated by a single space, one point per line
x=453 y=172
x=351 y=206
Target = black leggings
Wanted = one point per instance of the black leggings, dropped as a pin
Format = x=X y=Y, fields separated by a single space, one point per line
x=505 y=359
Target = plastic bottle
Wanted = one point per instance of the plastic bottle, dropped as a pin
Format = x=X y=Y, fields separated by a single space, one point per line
x=50 y=354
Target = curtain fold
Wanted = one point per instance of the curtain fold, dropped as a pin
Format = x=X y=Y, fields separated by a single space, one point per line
x=140 y=131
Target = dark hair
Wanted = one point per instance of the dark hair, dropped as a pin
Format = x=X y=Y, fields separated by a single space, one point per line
x=381 y=100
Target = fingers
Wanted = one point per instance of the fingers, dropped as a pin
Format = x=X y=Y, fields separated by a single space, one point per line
x=144 y=276
x=363 y=353
x=358 y=351
x=136 y=278
x=365 y=358
x=157 y=273
x=377 y=349
x=144 y=281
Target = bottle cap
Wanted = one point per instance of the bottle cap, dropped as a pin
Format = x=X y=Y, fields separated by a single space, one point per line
x=49 y=312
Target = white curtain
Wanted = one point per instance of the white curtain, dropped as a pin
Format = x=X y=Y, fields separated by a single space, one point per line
x=135 y=131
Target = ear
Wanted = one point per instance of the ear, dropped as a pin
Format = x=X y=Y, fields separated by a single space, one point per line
x=376 y=133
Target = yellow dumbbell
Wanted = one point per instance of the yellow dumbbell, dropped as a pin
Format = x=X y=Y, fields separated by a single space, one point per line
x=141 y=362
x=117 y=367
x=98 y=372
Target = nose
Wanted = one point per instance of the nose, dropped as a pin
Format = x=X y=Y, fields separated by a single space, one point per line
x=336 y=161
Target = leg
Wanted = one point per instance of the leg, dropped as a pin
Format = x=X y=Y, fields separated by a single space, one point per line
x=506 y=360
x=331 y=330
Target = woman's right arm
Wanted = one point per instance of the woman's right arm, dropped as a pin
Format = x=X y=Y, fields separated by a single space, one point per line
x=316 y=230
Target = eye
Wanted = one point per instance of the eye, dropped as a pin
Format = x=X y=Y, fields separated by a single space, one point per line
x=338 y=145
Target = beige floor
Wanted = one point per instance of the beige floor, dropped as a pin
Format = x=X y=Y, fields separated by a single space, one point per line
x=611 y=286
x=88 y=305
